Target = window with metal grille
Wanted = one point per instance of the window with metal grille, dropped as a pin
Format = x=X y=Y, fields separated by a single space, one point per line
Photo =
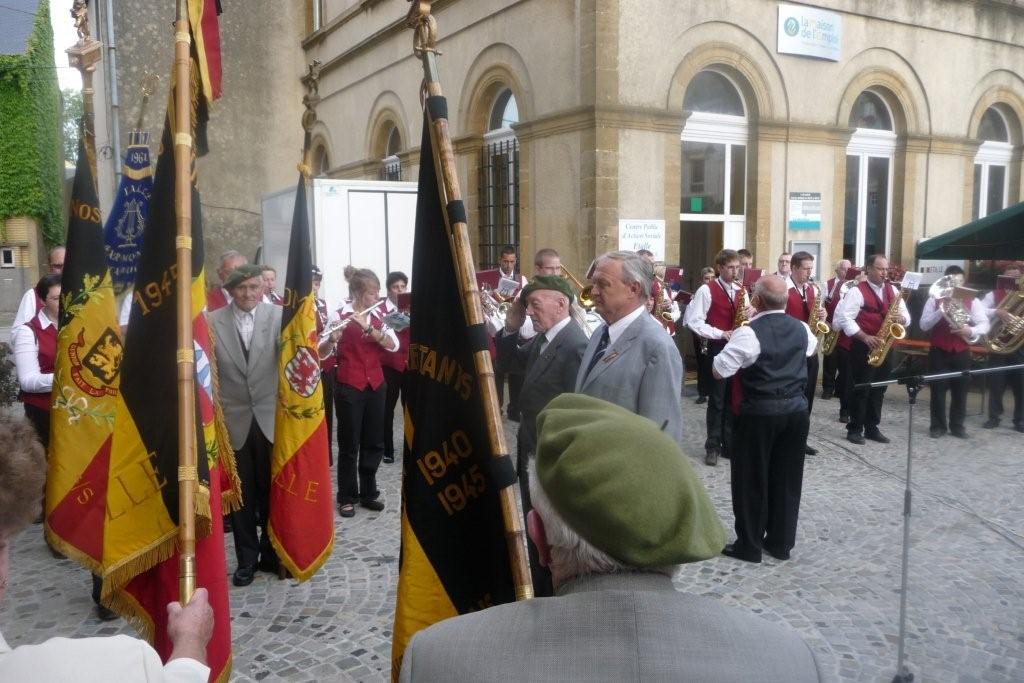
x=391 y=166
x=499 y=182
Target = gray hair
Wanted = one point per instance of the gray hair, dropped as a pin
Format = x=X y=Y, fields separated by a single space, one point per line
x=774 y=299
x=573 y=555
x=635 y=268
x=231 y=254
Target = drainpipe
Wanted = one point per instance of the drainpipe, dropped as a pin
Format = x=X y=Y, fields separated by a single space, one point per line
x=114 y=104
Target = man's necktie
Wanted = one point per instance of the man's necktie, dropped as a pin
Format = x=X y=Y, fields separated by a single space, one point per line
x=602 y=346
x=542 y=342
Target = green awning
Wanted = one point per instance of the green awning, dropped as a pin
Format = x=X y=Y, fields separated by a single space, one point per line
x=996 y=236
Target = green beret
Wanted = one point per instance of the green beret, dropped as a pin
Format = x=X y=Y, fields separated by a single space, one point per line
x=241 y=274
x=552 y=282
x=624 y=485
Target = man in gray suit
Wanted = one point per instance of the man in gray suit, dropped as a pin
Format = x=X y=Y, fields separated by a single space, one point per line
x=246 y=333
x=617 y=510
x=630 y=360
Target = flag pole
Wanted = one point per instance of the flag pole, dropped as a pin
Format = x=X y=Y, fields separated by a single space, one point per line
x=425 y=47
x=187 y=468
x=84 y=56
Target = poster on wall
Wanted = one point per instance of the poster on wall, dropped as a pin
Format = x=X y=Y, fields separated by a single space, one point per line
x=805 y=211
x=636 y=234
x=812 y=248
x=810 y=32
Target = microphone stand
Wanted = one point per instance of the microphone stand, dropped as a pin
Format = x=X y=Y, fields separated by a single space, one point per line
x=914 y=384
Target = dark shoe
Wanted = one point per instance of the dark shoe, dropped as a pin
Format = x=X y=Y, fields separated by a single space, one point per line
x=733 y=551
x=346 y=510
x=104 y=614
x=844 y=417
x=854 y=437
x=1019 y=427
x=512 y=415
x=389 y=459
x=876 y=435
x=810 y=451
x=244 y=575
x=959 y=433
x=374 y=504
x=936 y=432
x=227 y=524
x=711 y=457
x=827 y=394
x=701 y=399
x=991 y=423
x=270 y=565
x=777 y=554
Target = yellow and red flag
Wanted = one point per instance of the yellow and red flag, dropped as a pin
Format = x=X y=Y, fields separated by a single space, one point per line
x=85 y=384
x=301 y=508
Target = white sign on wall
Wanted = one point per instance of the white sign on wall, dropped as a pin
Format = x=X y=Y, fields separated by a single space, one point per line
x=804 y=210
x=810 y=32
x=643 y=234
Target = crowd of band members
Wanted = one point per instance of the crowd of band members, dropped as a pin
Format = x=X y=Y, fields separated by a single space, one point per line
x=542 y=349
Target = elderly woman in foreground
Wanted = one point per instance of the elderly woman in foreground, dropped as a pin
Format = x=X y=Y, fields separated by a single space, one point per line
x=117 y=658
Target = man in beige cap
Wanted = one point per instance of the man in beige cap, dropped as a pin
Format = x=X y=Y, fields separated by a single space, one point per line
x=617 y=509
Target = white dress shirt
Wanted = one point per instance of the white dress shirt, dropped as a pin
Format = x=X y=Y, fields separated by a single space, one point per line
x=26 y=309
x=743 y=348
x=932 y=314
x=125 y=314
x=550 y=335
x=697 y=310
x=26 y=357
x=850 y=305
x=616 y=329
x=245 y=322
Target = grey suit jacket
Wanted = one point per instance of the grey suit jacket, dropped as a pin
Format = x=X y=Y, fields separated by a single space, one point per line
x=618 y=627
x=642 y=372
x=247 y=388
x=548 y=374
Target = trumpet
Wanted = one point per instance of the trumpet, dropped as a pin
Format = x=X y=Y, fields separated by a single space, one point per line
x=585 y=297
x=494 y=305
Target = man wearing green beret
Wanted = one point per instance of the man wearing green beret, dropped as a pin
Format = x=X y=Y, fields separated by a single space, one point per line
x=246 y=333
x=617 y=510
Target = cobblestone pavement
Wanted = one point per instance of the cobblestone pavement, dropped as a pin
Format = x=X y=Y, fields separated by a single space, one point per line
x=840 y=589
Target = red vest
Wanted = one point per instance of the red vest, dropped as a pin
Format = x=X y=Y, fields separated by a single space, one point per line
x=796 y=307
x=722 y=312
x=46 y=339
x=943 y=338
x=398 y=359
x=215 y=299
x=997 y=296
x=359 y=357
x=830 y=304
x=872 y=313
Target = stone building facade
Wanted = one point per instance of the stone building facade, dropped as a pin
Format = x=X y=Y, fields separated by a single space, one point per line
x=571 y=115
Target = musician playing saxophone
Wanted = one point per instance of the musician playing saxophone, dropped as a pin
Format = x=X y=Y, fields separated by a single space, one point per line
x=950 y=352
x=712 y=314
x=860 y=316
x=801 y=305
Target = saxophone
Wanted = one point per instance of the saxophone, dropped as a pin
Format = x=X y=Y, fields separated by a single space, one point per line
x=817 y=322
x=888 y=333
x=741 y=309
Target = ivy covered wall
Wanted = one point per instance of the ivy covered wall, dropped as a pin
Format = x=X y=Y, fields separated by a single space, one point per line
x=30 y=149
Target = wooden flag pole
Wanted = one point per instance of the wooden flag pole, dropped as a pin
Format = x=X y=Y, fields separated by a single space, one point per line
x=84 y=56
x=188 y=476
x=425 y=44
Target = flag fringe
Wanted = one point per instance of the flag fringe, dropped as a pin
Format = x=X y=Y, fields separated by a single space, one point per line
x=70 y=551
x=230 y=499
x=301 y=575
x=128 y=608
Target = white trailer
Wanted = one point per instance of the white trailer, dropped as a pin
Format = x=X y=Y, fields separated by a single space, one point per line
x=365 y=223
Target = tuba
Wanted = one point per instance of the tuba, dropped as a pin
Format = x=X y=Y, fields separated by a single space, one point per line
x=889 y=332
x=818 y=315
x=947 y=299
x=1008 y=336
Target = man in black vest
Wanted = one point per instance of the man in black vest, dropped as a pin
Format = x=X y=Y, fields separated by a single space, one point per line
x=770 y=433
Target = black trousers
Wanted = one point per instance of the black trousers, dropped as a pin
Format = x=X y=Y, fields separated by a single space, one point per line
x=767 y=472
x=515 y=383
x=844 y=387
x=830 y=372
x=812 y=380
x=249 y=524
x=704 y=377
x=997 y=384
x=866 y=405
x=719 y=417
x=40 y=420
x=393 y=378
x=328 y=384
x=946 y=361
x=360 y=441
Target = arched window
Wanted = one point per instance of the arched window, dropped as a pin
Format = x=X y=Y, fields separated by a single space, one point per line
x=991 y=164
x=869 y=166
x=499 y=180
x=321 y=162
x=713 y=172
x=391 y=168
